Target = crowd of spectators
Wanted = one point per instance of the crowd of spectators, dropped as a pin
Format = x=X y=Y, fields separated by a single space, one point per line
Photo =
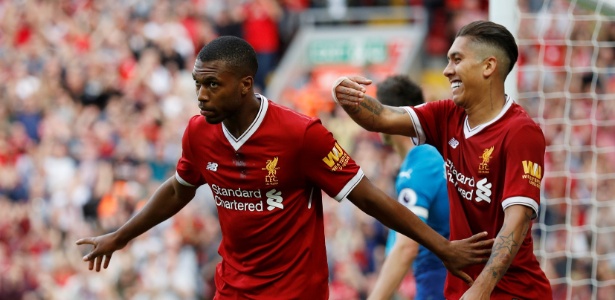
x=94 y=97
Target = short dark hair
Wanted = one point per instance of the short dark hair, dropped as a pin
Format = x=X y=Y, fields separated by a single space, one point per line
x=494 y=35
x=234 y=51
x=399 y=90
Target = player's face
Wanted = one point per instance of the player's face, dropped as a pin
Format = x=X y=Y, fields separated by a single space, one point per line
x=218 y=90
x=464 y=72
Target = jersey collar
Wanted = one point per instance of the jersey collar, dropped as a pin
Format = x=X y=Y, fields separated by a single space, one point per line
x=238 y=142
x=469 y=132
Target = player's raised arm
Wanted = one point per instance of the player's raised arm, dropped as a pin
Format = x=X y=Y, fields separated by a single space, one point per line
x=455 y=255
x=367 y=111
x=169 y=199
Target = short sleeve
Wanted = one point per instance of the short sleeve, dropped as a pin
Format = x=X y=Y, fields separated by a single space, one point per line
x=525 y=151
x=327 y=164
x=187 y=173
x=428 y=120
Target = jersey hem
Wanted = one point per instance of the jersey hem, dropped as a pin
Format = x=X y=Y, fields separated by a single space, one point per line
x=521 y=201
x=350 y=186
x=182 y=181
x=416 y=123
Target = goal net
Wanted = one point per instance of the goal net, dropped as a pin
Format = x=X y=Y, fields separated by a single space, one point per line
x=565 y=79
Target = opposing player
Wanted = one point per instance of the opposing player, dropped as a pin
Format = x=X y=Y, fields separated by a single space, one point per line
x=494 y=155
x=421 y=187
x=266 y=166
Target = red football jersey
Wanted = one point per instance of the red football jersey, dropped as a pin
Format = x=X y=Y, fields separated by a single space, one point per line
x=489 y=168
x=267 y=186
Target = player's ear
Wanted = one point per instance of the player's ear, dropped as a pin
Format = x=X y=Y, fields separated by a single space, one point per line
x=489 y=66
x=246 y=85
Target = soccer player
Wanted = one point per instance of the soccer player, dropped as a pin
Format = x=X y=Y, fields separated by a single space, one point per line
x=421 y=187
x=266 y=166
x=494 y=156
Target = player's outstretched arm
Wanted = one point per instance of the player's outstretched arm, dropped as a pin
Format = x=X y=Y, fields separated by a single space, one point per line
x=517 y=221
x=395 y=267
x=170 y=198
x=455 y=255
x=367 y=111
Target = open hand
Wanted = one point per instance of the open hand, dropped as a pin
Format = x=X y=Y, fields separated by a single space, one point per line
x=466 y=252
x=349 y=90
x=104 y=246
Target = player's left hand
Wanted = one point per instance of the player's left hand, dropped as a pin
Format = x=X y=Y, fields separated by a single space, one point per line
x=349 y=90
x=466 y=252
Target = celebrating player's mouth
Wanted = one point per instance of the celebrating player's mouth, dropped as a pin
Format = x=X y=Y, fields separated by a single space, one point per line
x=456 y=84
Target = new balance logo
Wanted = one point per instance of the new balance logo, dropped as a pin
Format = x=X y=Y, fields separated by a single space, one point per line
x=274 y=200
x=454 y=143
x=483 y=191
x=212 y=166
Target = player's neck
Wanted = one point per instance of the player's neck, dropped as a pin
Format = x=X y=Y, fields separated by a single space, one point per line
x=241 y=121
x=488 y=107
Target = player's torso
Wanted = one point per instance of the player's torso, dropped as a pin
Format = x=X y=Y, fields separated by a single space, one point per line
x=263 y=200
x=254 y=183
x=475 y=167
x=423 y=169
x=436 y=181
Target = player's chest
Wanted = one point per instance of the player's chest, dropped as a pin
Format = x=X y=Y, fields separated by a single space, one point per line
x=474 y=168
x=477 y=154
x=249 y=165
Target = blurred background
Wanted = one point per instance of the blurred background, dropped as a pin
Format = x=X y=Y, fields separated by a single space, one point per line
x=95 y=95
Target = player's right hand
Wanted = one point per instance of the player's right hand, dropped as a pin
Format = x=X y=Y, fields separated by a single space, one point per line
x=466 y=252
x=104 y=246
x=349 y=90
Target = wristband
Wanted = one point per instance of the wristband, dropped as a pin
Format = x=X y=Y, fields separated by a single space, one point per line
x=335 y=84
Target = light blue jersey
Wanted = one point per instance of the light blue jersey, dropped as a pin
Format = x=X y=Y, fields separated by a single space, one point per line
x=421 y=187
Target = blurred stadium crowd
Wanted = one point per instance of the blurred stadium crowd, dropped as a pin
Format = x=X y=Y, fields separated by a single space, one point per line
x=94 y=97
